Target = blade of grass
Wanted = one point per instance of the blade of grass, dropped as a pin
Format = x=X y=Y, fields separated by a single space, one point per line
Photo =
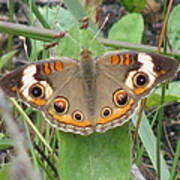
x=160 y=118
x=175 y=161
x=31 y=124
x=37 y=13
x=21 y=158
x=149 y=141
x=5 y=59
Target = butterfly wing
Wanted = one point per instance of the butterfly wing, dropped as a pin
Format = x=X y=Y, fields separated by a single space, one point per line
x=139 y=72
x=123 y=79
x=59 y=90
x=35 y=83
x=68 y=109
x=54 y=87
x=114 y=105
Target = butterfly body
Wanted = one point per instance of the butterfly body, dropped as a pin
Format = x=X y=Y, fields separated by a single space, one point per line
x=88 y=74
x=90 y=95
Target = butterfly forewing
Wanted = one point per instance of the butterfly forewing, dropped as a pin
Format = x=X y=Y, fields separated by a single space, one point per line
x=34 y=84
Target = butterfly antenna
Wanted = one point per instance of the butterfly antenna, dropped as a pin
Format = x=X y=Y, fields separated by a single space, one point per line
x=100 y=29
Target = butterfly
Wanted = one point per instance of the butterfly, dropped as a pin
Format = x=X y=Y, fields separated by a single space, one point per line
x=91 y=94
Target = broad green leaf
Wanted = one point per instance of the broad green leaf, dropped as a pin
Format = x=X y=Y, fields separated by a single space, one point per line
x=172 y=95
x=6 y=143
x=129 y=29
x=78 y=39
x=154 y=100
x=174 y=28
x=75 y=8
x=134 y=5
x=98 y=156
x=58 y=18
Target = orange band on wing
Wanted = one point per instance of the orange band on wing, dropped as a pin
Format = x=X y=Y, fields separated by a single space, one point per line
x=162 y=72
x=117 y=113
x=140 y=90
x=58 y=66
x=67 y=119
x=46 y=68
x=39 y=102
x=14 y=88
x=115 y=59
x=127 y=59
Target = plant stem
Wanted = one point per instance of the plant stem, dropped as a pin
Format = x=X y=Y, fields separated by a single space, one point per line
x=28 y=31
x=51 y=35
x=159 y=133
x=11 y=15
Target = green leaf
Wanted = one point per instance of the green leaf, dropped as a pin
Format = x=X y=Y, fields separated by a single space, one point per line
x=134 y=5
x=174 y=28
x=175 y=163
x=76 y=9
x=6 y=143
x=129 y=29
x=172 y=95
x=78 y=39
x=98 y=156
x=5 y=172
x=58 y=18
x=5 y=59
